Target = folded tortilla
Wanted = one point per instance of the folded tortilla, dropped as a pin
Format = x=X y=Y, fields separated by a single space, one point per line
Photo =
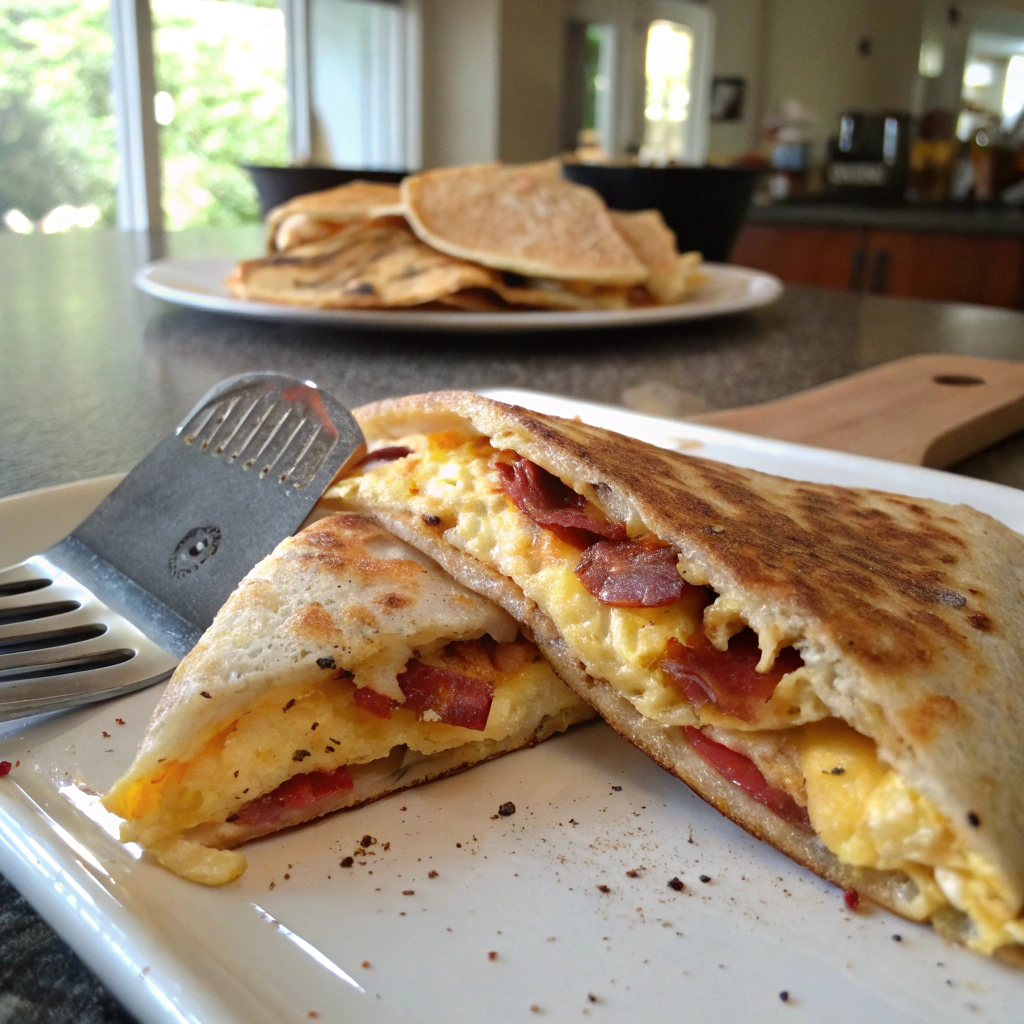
x=839 y=671
x=345 y=666
x=365 y=264
x=523 y=219
x=317 y=215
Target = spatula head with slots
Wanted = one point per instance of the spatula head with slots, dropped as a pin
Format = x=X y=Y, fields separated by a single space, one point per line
x=116 y=603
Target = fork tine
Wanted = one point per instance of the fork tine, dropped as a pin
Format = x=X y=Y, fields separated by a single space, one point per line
x=52 y=657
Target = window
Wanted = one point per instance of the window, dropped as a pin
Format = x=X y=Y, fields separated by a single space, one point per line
x=668 y=70
x=220 y=102
x=677 y=76
x=58 y=137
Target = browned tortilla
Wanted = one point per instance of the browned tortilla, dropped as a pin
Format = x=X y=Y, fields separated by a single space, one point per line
x=908 y=611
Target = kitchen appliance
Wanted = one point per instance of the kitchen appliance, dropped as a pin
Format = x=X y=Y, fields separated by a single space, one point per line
x=870 y=157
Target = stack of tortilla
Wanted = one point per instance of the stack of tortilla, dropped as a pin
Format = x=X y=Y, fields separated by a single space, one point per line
x=482 y=238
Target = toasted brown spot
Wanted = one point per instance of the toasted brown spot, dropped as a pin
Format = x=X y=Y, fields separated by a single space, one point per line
x=979 y=620
x=925 y=718
x=392 y=602
x=313 y=622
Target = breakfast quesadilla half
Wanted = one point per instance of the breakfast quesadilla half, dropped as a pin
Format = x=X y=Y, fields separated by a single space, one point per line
x=523 y=219
x=671 y=275
x=839 y=671
x=367 y=264
x=346 y=666
x=317 y=215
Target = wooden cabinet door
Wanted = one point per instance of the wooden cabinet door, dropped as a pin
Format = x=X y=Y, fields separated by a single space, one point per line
x=825 y=257
x=955 y=268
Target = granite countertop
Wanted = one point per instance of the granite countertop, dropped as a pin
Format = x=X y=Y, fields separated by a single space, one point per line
x=936 y=218
x=92 y=374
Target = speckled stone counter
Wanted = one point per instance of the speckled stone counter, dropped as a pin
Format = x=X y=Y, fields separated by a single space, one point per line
x=92 y=374
x=948 y=219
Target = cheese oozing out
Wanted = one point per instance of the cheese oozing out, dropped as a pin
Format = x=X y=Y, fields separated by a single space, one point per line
x=866 y=814
x=318 y=726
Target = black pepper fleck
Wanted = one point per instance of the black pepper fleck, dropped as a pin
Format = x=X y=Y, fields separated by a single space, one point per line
x=973 y=820
x=432 y=520
x=507 y=808
x=347 y=862
x=300 y=754
x=203 y=693
x=784 y=996
x=366 y=842
x=675 y=883
x=327 y=662
x=618 y=789
x=705 y=879
x=290 y=704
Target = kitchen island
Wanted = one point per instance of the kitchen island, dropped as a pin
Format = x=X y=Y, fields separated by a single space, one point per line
x=967 y=252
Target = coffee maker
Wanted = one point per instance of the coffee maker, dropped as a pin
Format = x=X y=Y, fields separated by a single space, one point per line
x=870 y=157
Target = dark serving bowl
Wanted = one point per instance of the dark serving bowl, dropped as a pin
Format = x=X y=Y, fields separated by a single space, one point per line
x=704 y=206
x=276 y=185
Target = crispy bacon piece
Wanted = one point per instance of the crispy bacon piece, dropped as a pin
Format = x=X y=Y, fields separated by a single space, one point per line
x=376 y=703
x=725 y=679
x=550 y=503
x=297 y=792
x=632 y=573
x=742 y=772
x=382 y=455
x=455 y=699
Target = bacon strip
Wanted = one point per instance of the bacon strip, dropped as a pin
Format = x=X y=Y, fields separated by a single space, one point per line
x=376 y=703
x=632 y=573
x=297 y=792
x=382 y=455
x=550 y=503
x=455 y=699
x=742 y=772
x=726 y=679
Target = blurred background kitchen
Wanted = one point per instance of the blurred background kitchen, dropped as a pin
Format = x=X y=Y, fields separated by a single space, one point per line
x=888 y=134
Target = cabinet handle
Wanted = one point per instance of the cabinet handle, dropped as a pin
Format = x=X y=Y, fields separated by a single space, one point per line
x=880 y=273
x=856 y=270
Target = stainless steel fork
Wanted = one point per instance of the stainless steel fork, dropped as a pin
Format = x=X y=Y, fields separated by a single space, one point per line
x=114 y=605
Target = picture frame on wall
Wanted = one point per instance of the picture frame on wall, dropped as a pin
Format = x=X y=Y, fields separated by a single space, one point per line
x=728 y=93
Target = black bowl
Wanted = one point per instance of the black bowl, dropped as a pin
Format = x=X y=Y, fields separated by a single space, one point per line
x=276 y=185
x=704 y=206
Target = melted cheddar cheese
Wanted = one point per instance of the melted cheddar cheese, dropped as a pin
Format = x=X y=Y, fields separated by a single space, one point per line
x=868 y=816
x=326 y=729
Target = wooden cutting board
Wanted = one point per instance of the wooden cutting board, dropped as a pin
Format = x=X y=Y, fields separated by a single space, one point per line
x=928 y=410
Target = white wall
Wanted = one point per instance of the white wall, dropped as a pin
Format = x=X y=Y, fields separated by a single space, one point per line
x=461 y=71
x=740 y=31
x=530 y=102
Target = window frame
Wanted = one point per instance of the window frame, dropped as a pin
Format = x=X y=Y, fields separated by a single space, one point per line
x=133 y=83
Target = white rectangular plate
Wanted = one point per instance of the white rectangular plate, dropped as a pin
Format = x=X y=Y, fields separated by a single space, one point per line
x=299 y=938
x=199 y=283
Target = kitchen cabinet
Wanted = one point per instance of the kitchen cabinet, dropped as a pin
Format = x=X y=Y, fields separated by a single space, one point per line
x=911 y=264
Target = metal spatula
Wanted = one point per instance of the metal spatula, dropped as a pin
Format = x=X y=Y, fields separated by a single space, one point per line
x=116 y=603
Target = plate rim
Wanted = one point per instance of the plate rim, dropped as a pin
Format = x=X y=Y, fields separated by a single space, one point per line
x=762 y=289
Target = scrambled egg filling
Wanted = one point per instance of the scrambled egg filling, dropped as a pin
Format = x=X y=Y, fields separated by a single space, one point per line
x=450 y=477
x=866 y=813
x=322 y=730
